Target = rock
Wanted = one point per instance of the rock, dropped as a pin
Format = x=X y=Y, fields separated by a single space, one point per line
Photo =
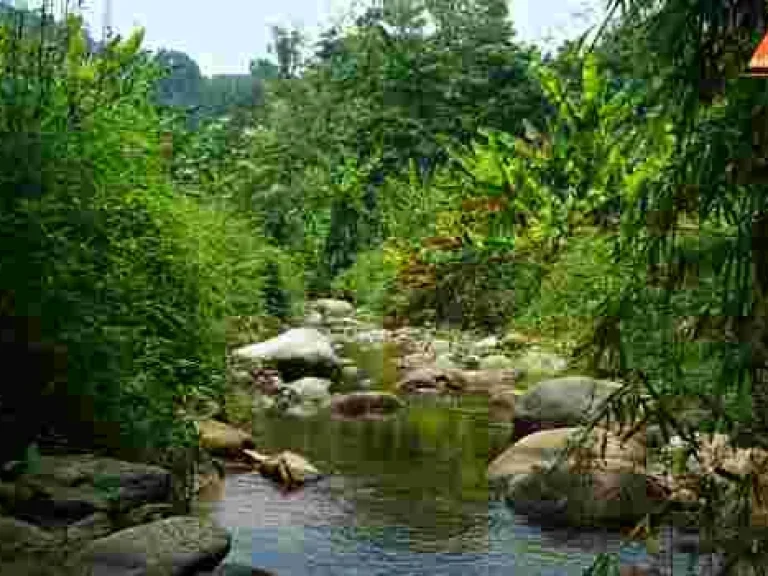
x=289 y=469
x=496 y=362
x=407 y=342
x=560 y=402
x=65 y=489
x=18 y=538
x=175 y=546
x=95 y=526
x=445 y=380
x=311 y=391
x=420 y=380
x=365 y=405
x=486 y=345
x=414 y=361
x=146 y=514
x=501 y=406
x=313 y=320
x=539 y=362
x=331 y=308
x=301 y=411
x=539 y=448
x=296 y=353
x=255 y=458
x=589 y=489
x=220 y=438
x=483 y=382
x=371 y=337
x=228 y=569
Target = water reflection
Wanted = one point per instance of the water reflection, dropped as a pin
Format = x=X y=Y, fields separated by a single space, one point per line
x=403 y=497
x=321 y=531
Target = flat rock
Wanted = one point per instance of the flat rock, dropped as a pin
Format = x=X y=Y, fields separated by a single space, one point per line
x=69 y=488
x=176 y=546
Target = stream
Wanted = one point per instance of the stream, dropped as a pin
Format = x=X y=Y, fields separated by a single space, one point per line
x=406 y=496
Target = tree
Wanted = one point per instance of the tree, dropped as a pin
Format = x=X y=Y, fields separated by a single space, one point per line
x=705 y=215
x=183 y=84
x=263 y=69
x=286 y=46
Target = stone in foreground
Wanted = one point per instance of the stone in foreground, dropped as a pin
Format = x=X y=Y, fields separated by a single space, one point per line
x=176 y=546
x=602 y=483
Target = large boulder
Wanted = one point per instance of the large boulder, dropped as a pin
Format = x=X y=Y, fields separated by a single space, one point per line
x=541 y=448
x=176 y=546
x=222 y=439
x=601 y=483
x=295 y=353
x=364 y=405
x=65 y=489
x=560 y=402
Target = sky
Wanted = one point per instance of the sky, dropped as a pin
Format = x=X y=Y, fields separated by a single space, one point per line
x=223 y=36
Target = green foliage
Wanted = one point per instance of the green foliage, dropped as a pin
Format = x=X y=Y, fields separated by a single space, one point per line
x=276 y=301
x=132 y=278
x=372 y=279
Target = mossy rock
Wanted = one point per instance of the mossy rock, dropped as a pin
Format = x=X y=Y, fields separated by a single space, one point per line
x=174 y=546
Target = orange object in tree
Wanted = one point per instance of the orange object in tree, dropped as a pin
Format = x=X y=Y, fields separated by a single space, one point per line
x=758 y=65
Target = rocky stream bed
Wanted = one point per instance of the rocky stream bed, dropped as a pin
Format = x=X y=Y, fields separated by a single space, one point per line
x=405 y=452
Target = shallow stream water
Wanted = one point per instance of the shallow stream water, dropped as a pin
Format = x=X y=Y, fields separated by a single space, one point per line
x=406 y=496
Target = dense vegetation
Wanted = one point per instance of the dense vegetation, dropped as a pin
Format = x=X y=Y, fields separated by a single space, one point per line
x=610 y=198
